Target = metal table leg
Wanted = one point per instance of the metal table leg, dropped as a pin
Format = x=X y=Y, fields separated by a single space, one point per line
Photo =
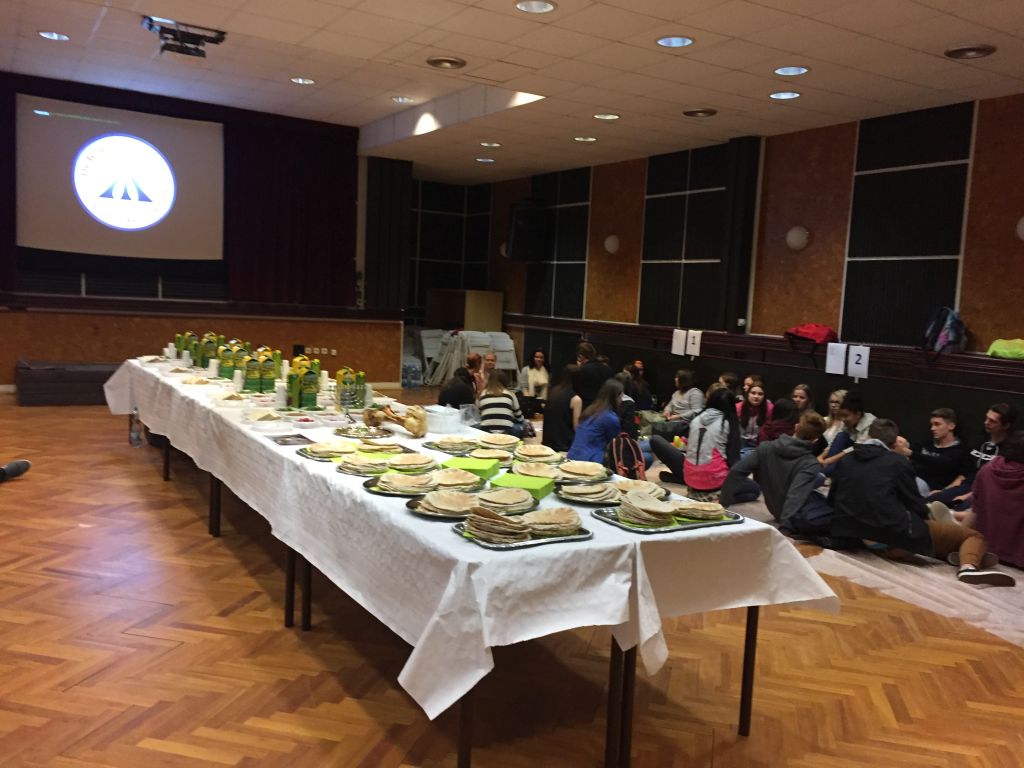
x=214 y=522
x=465 y=730
x=613 y=727
x=628 y=689
x=307 y=595
x=167 y=458
x=289 y=589
x=749 y=659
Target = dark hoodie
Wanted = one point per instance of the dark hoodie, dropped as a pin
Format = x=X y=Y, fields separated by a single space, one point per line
x=875 y=497
x=999 y=506
x=785 y=468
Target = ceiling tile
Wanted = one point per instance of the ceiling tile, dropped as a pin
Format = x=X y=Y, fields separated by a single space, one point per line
x=622 y=56
x=609 y=22
x=555 y=40
x=578 y=71
x=346 y=44
x=488 y=24
x=307 y=12
x=869 y=16
x=269 y=29
x=373 y=27
x=426 y=12
x=738 y=18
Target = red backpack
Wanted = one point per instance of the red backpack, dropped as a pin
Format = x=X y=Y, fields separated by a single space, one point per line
x=816 y=332
x=625 y=457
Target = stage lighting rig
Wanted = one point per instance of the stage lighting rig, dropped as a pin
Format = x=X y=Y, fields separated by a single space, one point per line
x=178 y=37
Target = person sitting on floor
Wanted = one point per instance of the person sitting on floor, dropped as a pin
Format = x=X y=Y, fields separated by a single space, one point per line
x=13 y=469
x=685 y=403
x=712 y=447
x=786 y=471
x=875 y=499
x=474 y=364
x=598 y=424
x=562 y=411
x=458 y=391
x=998 y=492
x=732 y=382
x=782 y=422
x=753 y=413
x=942 y=463
x=593 y=372
x=1000 y=420
x=856 y=422
x=833 y=422
x=499 y=407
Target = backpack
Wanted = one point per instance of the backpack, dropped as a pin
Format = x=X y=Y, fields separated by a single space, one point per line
x=816 y=332
x=945 y=333
x=625 y=457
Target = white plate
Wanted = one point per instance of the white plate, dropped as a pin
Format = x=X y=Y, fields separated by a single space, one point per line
x=273 y=428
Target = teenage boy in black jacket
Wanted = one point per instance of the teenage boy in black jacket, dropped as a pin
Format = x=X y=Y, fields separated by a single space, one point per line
x=875 y=498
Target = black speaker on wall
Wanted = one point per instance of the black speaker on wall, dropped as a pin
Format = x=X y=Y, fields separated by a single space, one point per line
x=531 y=232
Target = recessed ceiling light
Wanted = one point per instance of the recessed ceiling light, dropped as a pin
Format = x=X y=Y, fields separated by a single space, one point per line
x=791 y=71
x=446 y=62
x=700 y=112
x=60 y=37
x=403 y=99
x=303 y=80
x=675 y=41
x=784 y=95
x=535 y=6
x=584 y=139
x=490 y=144
x=979 y=51
x=607 y=116
x=485 y=159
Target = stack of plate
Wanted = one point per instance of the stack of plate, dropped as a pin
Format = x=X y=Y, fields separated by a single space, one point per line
x=330 y=450
x=597 y=493
x=639 y=508
x=583 y=471
x=699 y=510
x=454 y=478
x=413 y=463
x=413 y=485
x=535 y=469
x=497 y=529
x=498 y=440
x=357 y=464
x=455 y=443
x=646 y=486
x=506 y=501
x=379 y=446
x=537 y=453
x=447 y=503
x=491 y=453
x=556 y=521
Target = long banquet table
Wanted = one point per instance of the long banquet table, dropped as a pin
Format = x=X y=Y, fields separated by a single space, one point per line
x=450 y=599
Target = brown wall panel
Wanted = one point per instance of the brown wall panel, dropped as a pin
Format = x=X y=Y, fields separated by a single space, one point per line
x=505 y=275
x=992 y=291
x=616 y=208
x=374 y=347
x=806 y=181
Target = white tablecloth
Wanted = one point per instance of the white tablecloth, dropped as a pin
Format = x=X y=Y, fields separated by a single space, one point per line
x=447 y=597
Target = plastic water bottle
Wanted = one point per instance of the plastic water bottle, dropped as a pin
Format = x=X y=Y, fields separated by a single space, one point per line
x=134 y=429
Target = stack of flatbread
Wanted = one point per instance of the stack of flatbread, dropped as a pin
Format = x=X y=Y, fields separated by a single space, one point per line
x=454 y=478
x=506 y=501
x=582 y=470
x=556 y=521
x=397 y=482
x=497 y=529
x=699 y=510
x=412 y=462
x=646 y=486
x=330 y=450
x=456 y=443
x=491 y=453
x=535 y=469
x=357 y=464
x=447 y=503
x=379 y=446
x=498 y=440
x=596 y=493
x=537 y=453
x=262 y=414
x=639 y=508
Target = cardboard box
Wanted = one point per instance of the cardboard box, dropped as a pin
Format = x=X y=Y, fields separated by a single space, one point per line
x=539 y=487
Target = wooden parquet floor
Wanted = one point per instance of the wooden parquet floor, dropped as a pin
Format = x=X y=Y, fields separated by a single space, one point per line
x=129 y=637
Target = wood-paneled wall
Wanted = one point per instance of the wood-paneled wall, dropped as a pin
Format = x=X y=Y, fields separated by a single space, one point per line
x=371 y=346
x=616 y=208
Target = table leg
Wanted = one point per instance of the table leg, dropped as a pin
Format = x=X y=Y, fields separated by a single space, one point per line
x=214 y=505
x=628 y=689
x=465 y=730
x=307 y=595
x=613 y=727
x=167 y=458
x=749 y=659
x=289 y=589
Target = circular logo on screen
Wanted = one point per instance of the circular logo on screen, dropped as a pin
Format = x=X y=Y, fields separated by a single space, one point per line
x=123 y=182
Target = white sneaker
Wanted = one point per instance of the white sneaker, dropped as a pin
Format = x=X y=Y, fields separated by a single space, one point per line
x=991 y=578
x=940 y=513
x=988 y=561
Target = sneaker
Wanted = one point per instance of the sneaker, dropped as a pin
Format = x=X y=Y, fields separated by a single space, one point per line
x=990 y=560
x=939 y=512
x=14 y=469
x=668 y=477
x=991 y=578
